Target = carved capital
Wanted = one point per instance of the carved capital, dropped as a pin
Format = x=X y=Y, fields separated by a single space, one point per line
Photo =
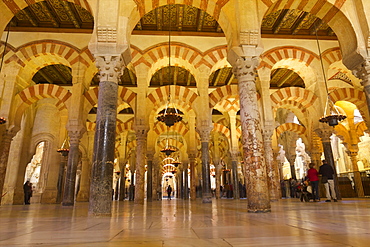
x=363 y=72
x=141 y=132
x=205 y=133
x=74 y=136
x=324 y=133
x=110 y=67
x=245 y=68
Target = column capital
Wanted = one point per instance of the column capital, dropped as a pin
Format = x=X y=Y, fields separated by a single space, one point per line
x=245 y=67
x=110 y=67
x=204 y=132
x=141 y=131
x=74 y=136
x=324 y=133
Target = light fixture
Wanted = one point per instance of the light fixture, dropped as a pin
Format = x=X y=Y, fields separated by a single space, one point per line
x=64 y=149
x=170 y=115
x=2 y=119
x=168 y=150
x=331 y=114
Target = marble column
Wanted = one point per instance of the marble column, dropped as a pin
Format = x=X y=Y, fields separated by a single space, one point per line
x=186 y=182
x=104 y=142
x=325 y=133
x=204 y=132
x=122 y=184
x=141 y=136
x=252 y=139
x=149 y=177
x=193 y=177
x=234 y=165
x=83 y=194
x=73 y=160
x=4 y=155
x=272 y=166
x=218 y=178
x=356 y=173
x=291 y=159
x=61 y=176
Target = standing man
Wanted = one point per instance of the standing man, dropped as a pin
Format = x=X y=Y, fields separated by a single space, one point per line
x=327 y=173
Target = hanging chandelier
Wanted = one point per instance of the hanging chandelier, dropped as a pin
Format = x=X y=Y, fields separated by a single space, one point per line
x=176 y=163
x=168 y=150
x=64 y=149
x=170 y=115
x=331 y=114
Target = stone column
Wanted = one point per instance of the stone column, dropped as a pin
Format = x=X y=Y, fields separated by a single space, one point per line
x=291 y=158
x=105 y=133
x=325 y=133
x=4 y=155
x=141 y=134
x=356 y=174
x=61 y=176
x=193 y=178
x=149 y=177
x=252 y=139
x=218 y=177
x=272 y=168
x=73 y=160
x=186 y=182
x=204 y=132
x=234 y=165
x=83 y=194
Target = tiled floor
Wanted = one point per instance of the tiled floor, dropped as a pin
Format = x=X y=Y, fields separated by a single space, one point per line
x=185 y=223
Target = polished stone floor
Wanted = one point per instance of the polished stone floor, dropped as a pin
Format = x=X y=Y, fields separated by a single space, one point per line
x=184 y=223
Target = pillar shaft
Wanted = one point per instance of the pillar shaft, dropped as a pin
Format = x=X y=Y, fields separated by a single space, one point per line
x=73 y=160
x=234 y=164
x=61 y=177
x=186 y=183
x=272 y=169
x=4 y=155
x=141 y=133
x=357 y=176
x=193 y=182
x=103 y=158
x=252 y=140
x=149 y=177
x=206 y=178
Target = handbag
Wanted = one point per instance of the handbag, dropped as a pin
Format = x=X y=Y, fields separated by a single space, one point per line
x=324 y=179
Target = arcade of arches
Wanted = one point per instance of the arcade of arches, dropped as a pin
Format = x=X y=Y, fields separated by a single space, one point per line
x=250 y=79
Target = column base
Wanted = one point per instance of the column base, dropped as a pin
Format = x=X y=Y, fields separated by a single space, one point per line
x=67 y=204
x=83 y=196
x=49 y=196
x=206 y=199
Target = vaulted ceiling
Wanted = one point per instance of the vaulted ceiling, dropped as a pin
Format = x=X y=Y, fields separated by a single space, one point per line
x=66 y=17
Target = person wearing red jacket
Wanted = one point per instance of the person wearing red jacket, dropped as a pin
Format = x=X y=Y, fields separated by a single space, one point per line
x=313 y=176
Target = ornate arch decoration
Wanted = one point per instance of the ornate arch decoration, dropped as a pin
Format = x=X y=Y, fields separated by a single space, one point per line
x=222 y=93
x=305 y=98
x=124 y=126
x=28 y=56
x=332 y=55
x=354 y=96
x=332 y=15
x=221 y=129
x=228 y=105
x=124 y=95
x=296 y=128
x=182 y=94
x=179 y=127
x=271 y=57
x=32 y=94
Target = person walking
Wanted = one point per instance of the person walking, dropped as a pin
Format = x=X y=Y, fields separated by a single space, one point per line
x=313 y=176
x=327 y=173
x=169 y=191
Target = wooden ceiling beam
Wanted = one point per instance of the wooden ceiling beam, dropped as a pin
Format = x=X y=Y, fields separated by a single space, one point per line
x=299 y=23
x=279 y=21
x=71 y=14
x=47 y=12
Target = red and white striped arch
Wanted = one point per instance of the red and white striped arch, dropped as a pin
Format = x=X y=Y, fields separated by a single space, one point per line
x=354 y=96
x=293 y=127
x=160 y=128
x=304 y=98
x=124 y=95
x=32 y=94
